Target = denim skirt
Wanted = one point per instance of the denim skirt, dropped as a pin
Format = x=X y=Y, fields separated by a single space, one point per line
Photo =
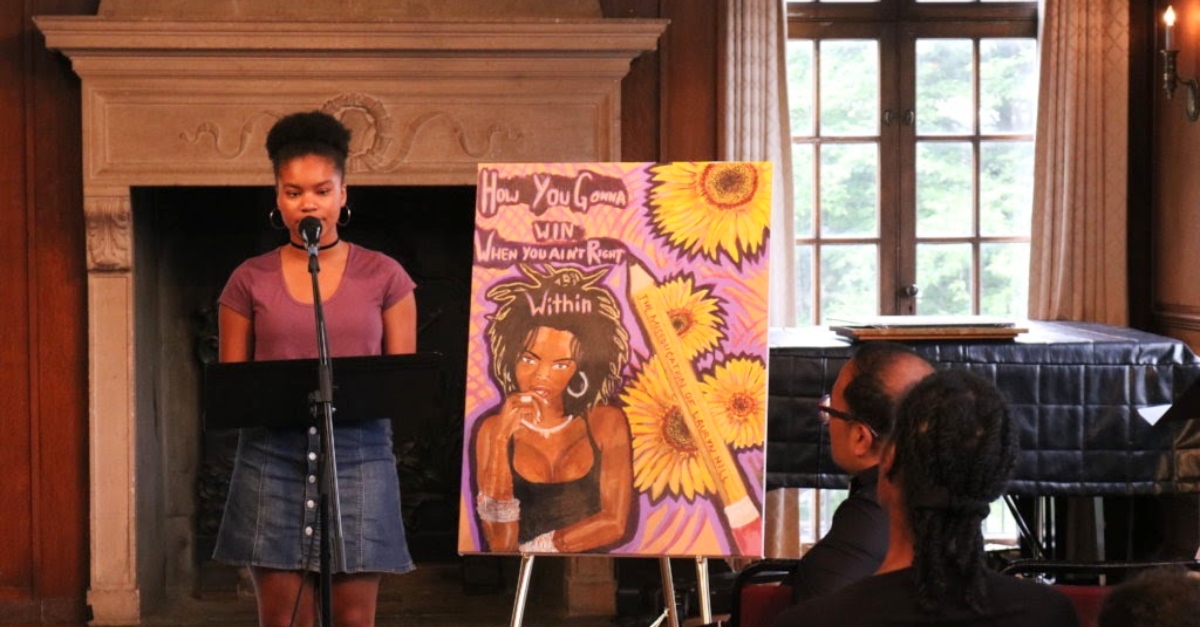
x=272 y=515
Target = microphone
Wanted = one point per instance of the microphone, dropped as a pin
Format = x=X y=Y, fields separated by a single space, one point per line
x=310 y=230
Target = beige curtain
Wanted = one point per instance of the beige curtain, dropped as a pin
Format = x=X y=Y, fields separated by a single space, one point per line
x=754 y=119
x=754 y=122
x=1077 y=262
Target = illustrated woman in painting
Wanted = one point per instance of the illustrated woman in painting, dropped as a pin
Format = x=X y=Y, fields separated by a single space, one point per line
x=553 y=463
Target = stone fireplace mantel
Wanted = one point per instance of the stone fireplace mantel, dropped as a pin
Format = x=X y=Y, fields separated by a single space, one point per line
x=187 y=101
x=171 y=102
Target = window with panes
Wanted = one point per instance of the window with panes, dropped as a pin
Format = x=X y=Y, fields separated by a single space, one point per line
x=912 y=145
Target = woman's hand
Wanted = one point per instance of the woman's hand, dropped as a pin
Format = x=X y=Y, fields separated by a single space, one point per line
x=518 y=407
x=494 y=435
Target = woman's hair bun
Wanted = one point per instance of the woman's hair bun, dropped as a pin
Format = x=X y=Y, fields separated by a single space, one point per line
x=304 y=130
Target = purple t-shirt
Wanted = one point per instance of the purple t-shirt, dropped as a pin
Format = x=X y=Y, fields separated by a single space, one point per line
x=285 y=328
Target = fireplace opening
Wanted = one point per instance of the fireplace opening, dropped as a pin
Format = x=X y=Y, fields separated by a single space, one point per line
x=187 y=242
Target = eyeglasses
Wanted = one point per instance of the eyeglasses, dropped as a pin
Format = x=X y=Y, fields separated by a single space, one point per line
x=825 y=412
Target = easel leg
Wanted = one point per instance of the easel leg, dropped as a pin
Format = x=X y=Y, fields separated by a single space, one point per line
x=1098 y=518
x=518 y=613
x=702 y=590
x=668 y=585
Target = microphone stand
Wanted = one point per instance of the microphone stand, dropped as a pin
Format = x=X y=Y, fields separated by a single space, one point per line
x=332 y=553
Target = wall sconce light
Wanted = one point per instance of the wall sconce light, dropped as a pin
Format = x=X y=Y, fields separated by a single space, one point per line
x=1171 y=78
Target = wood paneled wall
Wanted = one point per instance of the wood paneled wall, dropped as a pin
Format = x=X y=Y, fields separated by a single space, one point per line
x=1175 y=214
x=1143 y=87
x=669 y=100
x=43 y=326
x=669 y=113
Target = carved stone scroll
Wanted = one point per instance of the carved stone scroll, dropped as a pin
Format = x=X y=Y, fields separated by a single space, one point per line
x=109 y=222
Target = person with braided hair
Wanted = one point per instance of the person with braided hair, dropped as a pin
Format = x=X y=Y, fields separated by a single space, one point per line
x=951 y=454
x=271 y=522
x=858 y=412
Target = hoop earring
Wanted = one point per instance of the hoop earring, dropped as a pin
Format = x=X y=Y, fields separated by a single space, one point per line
x=344 y=216
x=276 y=220
x=583 y=390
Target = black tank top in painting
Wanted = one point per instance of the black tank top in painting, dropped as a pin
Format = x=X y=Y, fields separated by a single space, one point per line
x=550 y=506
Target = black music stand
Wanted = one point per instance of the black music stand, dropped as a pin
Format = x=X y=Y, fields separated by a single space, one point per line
x=277 y=394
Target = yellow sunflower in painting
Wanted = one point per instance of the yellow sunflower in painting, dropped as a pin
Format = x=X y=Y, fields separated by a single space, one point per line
x=665 y=457
x=693 y=315
x=736 y=393
x=713 y=207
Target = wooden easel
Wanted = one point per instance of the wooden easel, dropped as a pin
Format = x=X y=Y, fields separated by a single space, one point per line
x=664 y=564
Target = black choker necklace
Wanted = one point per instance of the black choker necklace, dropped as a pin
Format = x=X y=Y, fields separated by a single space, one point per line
x=325 y=247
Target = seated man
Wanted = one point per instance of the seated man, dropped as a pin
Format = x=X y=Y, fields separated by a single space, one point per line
x=1164 y=597
x=951 y=454
x=859 y=414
